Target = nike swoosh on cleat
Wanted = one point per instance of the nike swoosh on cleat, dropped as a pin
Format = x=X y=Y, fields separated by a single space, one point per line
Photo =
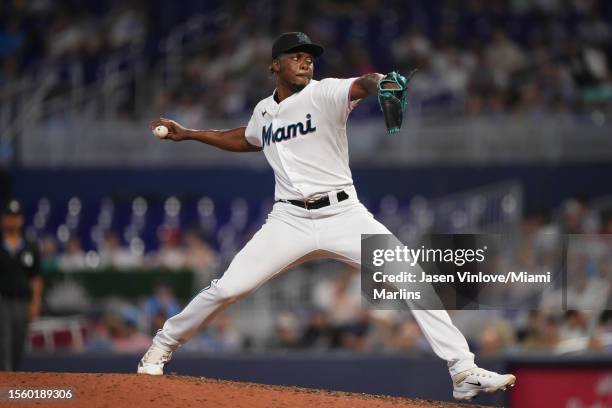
x=476 y=383
x=264 y=113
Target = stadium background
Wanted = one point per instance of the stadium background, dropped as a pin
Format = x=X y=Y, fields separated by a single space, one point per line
x=507 y=131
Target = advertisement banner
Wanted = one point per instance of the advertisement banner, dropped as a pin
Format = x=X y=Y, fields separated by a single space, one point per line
x=559 y=387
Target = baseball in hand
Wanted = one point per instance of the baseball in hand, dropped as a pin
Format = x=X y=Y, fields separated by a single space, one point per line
x=160 y=131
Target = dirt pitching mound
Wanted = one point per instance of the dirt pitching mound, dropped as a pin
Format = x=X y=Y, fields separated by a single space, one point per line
x=133 y=391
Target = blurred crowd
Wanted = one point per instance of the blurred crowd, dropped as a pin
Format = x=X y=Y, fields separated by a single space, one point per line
x=474 y=57
x=329 y=314
x=176 y=251
x=47 y=33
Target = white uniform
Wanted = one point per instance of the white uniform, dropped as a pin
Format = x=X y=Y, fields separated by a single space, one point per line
x=304 y=140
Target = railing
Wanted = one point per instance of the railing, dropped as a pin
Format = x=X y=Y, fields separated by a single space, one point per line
x=86 y=126
x=20 y=103
x=62 y=139
x=27 y=107
x=178 y=43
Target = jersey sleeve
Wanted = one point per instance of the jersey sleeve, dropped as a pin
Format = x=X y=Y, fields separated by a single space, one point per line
x=333 y=96
x=253 y=132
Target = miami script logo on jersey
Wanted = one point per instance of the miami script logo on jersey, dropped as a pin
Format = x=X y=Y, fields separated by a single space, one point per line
x=286 y=132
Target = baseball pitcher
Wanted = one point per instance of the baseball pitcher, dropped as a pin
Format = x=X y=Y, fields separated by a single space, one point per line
x=301 y=129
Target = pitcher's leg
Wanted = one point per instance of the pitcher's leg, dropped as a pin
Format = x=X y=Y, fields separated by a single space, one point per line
x=20 y=330
x=445 y=339
x=6 y=359
x=341 y=235
x=276 y=246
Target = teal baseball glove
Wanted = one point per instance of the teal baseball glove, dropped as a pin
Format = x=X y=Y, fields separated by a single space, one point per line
x=393 y=99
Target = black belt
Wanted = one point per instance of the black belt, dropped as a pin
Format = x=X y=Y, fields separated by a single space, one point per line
x=316 y=204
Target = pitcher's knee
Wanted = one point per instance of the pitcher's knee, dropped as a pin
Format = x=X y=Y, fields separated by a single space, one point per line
x=225 y=292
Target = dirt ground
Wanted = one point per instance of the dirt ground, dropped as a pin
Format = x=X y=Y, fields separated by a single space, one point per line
x=133 y=391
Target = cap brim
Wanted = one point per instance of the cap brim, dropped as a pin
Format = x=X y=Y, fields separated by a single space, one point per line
x=313 y=49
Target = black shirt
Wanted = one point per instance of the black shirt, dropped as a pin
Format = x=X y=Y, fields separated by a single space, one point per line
x=16 y=269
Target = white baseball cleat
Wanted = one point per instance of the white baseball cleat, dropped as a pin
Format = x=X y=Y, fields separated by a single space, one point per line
x=153 y=361
x=472 y=382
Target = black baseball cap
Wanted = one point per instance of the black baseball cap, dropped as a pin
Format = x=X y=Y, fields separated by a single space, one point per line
x=295 y=41
x=12 y=207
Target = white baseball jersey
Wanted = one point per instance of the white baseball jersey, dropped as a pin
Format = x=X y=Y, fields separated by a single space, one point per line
x=304 y=138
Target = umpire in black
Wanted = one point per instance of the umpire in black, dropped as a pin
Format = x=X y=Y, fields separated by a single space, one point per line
x=20 y=286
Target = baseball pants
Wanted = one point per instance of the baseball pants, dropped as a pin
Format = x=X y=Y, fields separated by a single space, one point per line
x=290 y=236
